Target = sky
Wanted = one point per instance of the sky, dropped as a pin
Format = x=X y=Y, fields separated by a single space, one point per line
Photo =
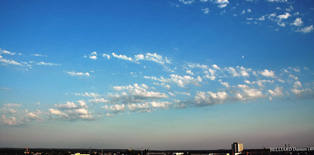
x=157 y=74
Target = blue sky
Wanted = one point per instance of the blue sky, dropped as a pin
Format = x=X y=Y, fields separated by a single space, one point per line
x=178 y=74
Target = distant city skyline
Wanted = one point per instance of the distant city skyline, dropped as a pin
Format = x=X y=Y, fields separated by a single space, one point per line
x=177 y=74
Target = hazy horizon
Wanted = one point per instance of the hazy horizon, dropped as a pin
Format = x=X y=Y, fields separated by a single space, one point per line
x=165 y=74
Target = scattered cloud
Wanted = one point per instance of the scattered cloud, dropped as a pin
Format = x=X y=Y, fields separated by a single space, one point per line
x=117 y=108
x=9 y=62
x=277 y=0
x=38 y=55
x=12 y=105
x=139 y=107
x=307 y=29
x=136 y=92
x=267 y=73
x=205 y=10
x=106 y=56
x=73 y=73
x=47 y=64
x=297 y=22
x=98 y=100
x=163 y=104
x=284 y=16
x=71 y=111
x=123 y=57
x=209 y=98
x=232 y=71
x=249 y=93
x=186 y=1
x=221 y=3
x=92 y=55
x=276 y=92
x=87 y=94
x=6 y=52
x=9 y=120
x=181 y=81
x=13 y=115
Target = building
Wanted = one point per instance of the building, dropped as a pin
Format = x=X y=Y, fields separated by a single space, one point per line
x=237 y=147
x=156 y=153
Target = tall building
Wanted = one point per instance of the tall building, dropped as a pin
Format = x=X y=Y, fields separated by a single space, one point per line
x=237 y=147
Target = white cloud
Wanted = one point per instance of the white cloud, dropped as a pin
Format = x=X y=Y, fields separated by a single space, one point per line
x=277 y=0
x=156 y=58
x=222 y=3
x=137 y=91
x=106 y=56
x=8 y=120
x=307 y=29
x=303 y=93
x=82 y=104
x=72 y=111
x=261 y=18
x=56 y=112
x=204 y=1
x=93 y=55
x=284 y=16
x=189 y=72
x=86 y=94
x=210 y=98
x=38 y=55
x=212 y=74
x=32 y=116
x=297 y=22
x=226 y=84
x=197 y=65
x=261 y=82
x=205 y=10
x=123 y=57
x=232 y=71
x=6 y=52
x=163 y=104
x=216 y=66
x=8 y=110
x=68 y=105
x=10 y=62
x=139 y=107
x=250 y=92
x=73 y=73
x=187 y=1
x=244 y=71
x=271 y=16
x=47 y=64
x=117 y=108
x=267 y=73
x=181 y=81
x=183 y=93
x=165 y=86
x=139 y=57
x=98 y=100
x=276 y=92
x=172 y=94
x=297 y=84
x=294 y=77
x=12 y=105
x=81 y=111
x=109 y=114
